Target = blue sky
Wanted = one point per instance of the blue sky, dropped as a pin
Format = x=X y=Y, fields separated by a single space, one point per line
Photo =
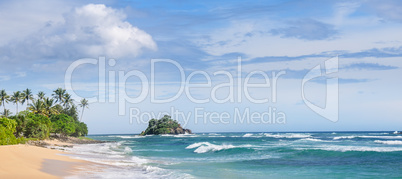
x=41 y=39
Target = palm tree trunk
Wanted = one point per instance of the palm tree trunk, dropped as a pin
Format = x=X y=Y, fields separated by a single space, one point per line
x=17 y=109
x=82 y=113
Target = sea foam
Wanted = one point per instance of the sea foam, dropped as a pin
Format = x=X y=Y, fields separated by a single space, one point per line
x=356 y=148
x=288 y=135
x=203 y=147
x=389 y=142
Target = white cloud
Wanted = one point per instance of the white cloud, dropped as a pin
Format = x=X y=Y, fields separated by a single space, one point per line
x=19 y=19
x=99 y=30
x=89 y=31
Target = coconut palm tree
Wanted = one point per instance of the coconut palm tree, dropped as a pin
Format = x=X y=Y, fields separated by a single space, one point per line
x=59 y=94
x=49 y=106
x=41 y=95
x=4 y=98
x=83 y=104
x=6 y=113
x=67 y=100
x=37 y=107
x=27 y=95
x=16 y=98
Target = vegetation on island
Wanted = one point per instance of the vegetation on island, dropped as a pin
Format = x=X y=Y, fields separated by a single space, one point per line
x=165 y=125
x=44 y=115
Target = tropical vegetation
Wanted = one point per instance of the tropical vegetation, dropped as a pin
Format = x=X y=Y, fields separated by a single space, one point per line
x=44 y=115
x=165 y=125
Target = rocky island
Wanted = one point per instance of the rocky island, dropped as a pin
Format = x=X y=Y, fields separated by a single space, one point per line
x=165 y=125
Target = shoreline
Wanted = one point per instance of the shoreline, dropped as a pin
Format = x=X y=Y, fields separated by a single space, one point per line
x=40 y=159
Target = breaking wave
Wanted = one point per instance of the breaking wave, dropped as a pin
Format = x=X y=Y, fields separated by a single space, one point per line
x=204 y=147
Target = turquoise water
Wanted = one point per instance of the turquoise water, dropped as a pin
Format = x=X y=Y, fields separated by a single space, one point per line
x=247 y=155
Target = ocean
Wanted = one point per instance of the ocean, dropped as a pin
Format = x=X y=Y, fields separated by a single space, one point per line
x=244 y=155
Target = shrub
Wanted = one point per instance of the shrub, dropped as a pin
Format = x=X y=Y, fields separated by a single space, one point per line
x=21 y=124
x=63 y=124
x=37 y=126
x=7 y=129
x=81 y=129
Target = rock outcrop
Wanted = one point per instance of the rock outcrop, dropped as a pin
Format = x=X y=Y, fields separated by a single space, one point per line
x=165 y=125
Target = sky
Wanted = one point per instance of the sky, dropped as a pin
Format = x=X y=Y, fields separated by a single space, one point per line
x=215 y=66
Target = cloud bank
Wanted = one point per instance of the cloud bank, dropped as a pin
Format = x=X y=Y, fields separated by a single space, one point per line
x=89 y=31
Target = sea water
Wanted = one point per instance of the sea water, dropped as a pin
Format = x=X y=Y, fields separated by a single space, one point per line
x=244 y=155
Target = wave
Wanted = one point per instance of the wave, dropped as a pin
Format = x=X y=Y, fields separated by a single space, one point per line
x=203 y=147
x=116 y=161
x=166 y=135
x=312 y=139
x=367 y=137
x=216 y=136
x=389 y=142
x=382 y=137
x=128 y=150
x=344 y=137
x=355 y=148
x=288 y=135
x=384 y=133
x=247 y=135
x=185 y=135
x=284 y=135
x=213 y=134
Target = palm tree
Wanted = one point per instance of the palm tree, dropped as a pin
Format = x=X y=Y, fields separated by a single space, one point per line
x=37 y=107
x=27 y=95
x=67 y=100
x=49 y=106
x=6 y=113
x=41 y=95
x=59 y=95
x=16 y=98
x=83 y=104
x=4 y=98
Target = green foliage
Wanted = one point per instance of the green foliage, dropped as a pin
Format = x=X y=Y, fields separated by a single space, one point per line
x=7 y=129
x=71 y=111
x=63 y=124
x=68 y=126
x=4 y=98
x=21 y=121
x=6 y=112
x=16 y=98
x=37 y=107
x=58 y=114
x=35 y=129
x=37 y=126
x=58 y=94
x=162 y=126
x=41 y=95
x=26 y=96
x=84 y=104
x=81 y=129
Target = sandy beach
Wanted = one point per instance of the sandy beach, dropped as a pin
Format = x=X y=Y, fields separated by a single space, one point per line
x=26 y=161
